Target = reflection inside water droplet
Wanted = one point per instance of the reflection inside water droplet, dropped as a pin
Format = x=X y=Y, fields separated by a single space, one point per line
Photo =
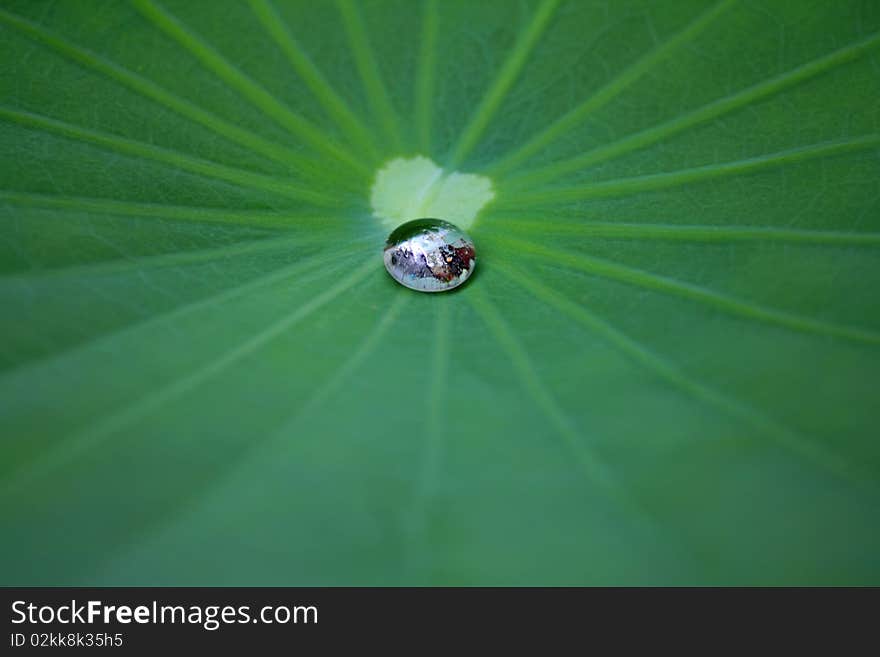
x=429 y=255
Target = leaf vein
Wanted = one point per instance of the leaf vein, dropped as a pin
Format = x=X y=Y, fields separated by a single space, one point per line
x=728 y=304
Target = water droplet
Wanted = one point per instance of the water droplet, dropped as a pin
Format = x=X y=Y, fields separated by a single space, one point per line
x=429 y=255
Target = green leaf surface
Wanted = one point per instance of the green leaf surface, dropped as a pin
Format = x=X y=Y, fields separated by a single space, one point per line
x=663 y=371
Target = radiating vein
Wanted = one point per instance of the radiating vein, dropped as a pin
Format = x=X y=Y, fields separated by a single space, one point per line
x=350 y=124
x=368 y=69
x=93 y=435
x=793 y=441
x=247 y=87
x=258 y=218
x=275 y=442
x=564 y=125
x=597 y=471
x=165 y=260
x=499 y=88
x=685 y=232
x=138 y=149
x=713 y=110
x=151 y=90
x=354 y=361
x=415 y=522
x=235 y=291
x=658 y=181
x=425 y=76
x=690 y=291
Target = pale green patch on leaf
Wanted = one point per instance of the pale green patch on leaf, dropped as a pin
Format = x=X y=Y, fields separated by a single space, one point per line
x=413 y=188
